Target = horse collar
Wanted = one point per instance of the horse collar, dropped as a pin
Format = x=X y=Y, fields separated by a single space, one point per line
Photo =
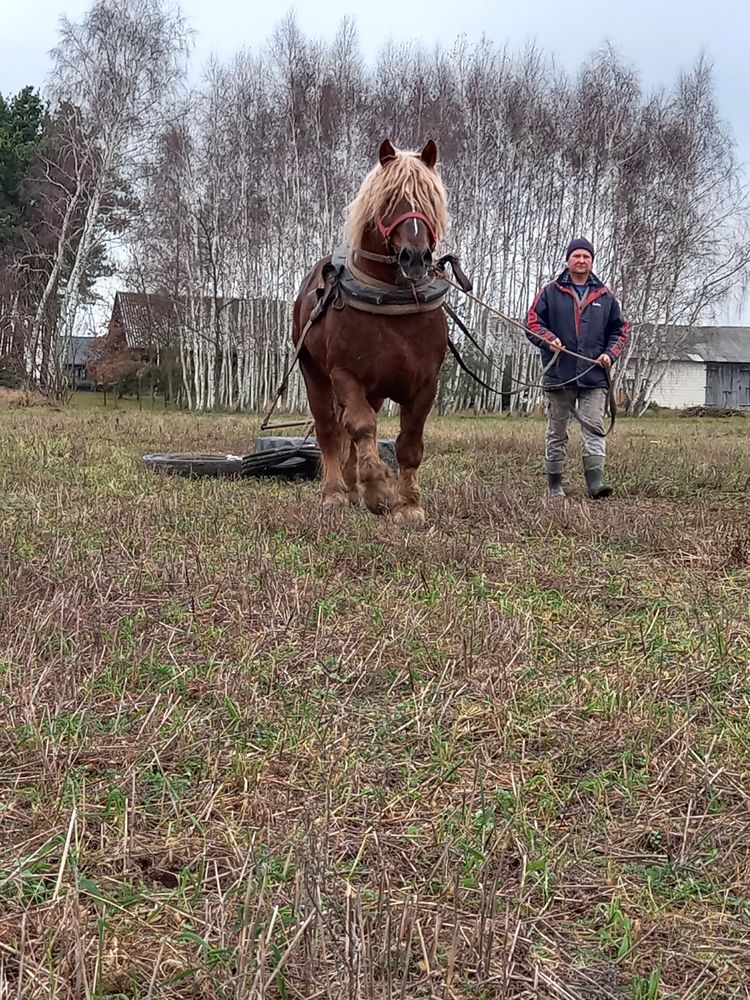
x=368 y=294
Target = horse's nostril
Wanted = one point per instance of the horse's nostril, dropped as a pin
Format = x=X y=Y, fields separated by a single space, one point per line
x=427 y=257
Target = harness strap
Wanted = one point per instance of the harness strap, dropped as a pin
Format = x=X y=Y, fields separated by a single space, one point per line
x=379 y=258
x=290 y=369
x=366 y=279
x=464 y=283
x=329 y=274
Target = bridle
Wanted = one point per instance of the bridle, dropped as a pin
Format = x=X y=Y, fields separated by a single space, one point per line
x=387 y=231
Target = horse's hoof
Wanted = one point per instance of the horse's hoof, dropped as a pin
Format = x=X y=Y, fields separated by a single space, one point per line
x=377 y=506
x=409 y=517
x=379 y=501
x=335 y=499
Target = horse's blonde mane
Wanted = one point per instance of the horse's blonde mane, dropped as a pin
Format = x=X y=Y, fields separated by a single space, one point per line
x=407 y=177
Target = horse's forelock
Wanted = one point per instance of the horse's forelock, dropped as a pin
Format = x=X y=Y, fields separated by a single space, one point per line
x=407 y=177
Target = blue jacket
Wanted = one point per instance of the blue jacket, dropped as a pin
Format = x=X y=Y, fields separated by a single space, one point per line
x=592 y=328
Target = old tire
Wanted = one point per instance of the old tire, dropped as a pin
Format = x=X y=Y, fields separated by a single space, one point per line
x=195 y=466
x=273 y=456
x=305 y=459
x=287 y=457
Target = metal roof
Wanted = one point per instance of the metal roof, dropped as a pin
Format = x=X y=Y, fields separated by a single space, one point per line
x=147 y=319
x=150 y=319
x=699 y=344
x=717 y=344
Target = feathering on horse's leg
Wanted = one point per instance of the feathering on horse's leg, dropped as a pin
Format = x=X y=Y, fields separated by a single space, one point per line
x=360 y=423
x=349 y=463
x=328 y=433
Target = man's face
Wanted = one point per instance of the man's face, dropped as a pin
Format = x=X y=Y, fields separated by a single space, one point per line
x=580 y=264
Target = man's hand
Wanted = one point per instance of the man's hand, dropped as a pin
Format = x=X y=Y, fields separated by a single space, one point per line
x=556 y=344
x=604 y=361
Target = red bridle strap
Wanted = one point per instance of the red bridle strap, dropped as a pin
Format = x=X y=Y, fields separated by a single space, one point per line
x=386 y=231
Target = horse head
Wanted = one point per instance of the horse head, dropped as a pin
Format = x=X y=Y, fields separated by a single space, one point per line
x=409 y=234
x=400 y=213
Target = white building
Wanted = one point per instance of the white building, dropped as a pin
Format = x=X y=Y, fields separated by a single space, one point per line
x=710 y=368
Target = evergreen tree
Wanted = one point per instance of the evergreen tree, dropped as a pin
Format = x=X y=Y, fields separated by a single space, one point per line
x=21 y=130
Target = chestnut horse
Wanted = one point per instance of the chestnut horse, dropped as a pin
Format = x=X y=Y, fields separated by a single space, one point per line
x=352 y=360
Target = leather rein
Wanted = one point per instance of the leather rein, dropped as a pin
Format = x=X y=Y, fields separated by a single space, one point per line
x=461 y=286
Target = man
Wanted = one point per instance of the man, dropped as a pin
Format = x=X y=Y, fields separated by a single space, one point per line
x=580 y=313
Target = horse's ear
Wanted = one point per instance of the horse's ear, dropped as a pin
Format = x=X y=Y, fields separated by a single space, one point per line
x=387 y=152
x=428 y=156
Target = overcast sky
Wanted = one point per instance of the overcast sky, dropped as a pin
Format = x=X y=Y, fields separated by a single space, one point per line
x=658 y=36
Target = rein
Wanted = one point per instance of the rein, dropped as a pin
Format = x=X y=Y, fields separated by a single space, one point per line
x=611 y=400
x=501 y=392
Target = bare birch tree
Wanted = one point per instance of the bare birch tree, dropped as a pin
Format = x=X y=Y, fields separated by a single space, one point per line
x=118 y=65
x=277 y=141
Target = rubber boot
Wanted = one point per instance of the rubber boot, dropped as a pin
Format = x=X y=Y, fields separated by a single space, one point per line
x=555 y=484
x=593 y=470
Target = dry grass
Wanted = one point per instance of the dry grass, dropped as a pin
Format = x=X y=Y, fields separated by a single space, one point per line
x=22 y=398
x=250 y=749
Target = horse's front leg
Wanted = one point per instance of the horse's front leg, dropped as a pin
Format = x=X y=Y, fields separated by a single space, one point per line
x=360 y=423
x=408 y=511
x=351 y=471
x=327 y=431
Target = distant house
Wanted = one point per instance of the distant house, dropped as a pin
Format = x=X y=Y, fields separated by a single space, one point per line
x=148 y=322
x=710 y=368
x=728 y=368
x=74 y=358
x=205 y=351
x=144 y=323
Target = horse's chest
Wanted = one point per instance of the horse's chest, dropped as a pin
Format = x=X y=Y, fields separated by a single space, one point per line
x=392 y=361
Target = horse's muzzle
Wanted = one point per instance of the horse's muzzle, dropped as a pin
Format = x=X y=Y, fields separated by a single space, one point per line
x=415 y=262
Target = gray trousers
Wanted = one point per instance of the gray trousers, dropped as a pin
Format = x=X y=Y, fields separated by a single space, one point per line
x=591 y=405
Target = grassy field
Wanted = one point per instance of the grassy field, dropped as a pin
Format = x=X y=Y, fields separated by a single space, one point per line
x=249 y=748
